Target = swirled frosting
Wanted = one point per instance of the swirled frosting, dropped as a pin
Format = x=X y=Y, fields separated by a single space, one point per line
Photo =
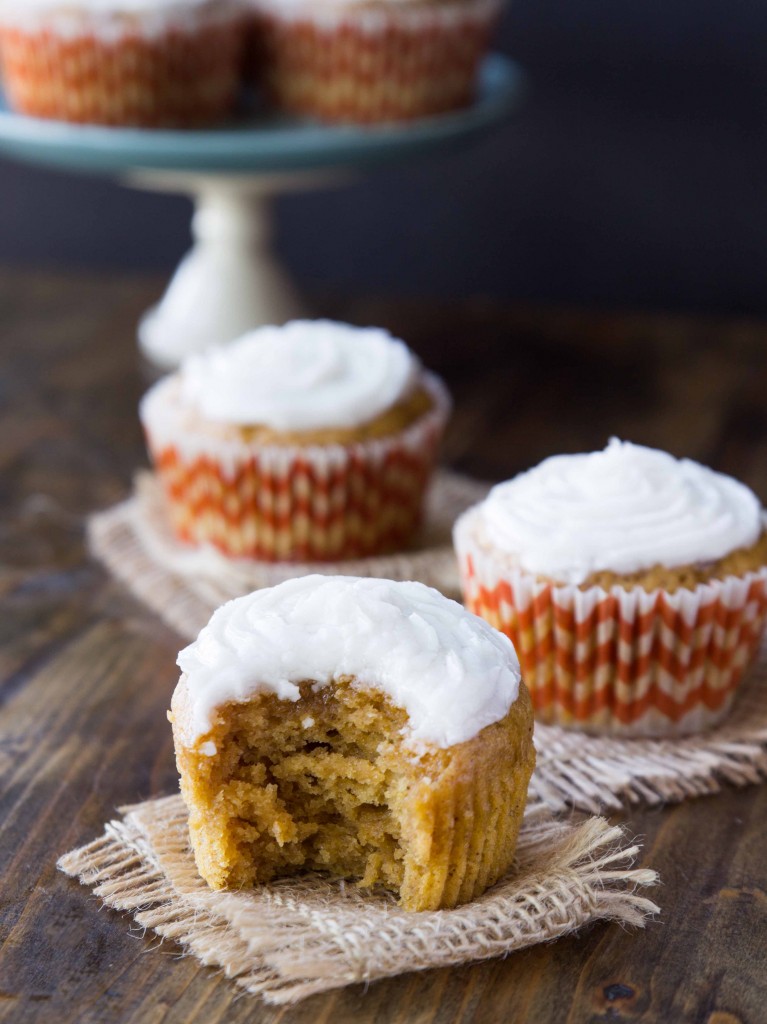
x=451 y=671
x=304 y=376
x=106 y=18
x=112 y=20
x=623 y=509
x=126 y=6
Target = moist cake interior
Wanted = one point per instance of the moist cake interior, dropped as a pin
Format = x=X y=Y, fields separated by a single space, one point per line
x=330 y=783
x=310 y=785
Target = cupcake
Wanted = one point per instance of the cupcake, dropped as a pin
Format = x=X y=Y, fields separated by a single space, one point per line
x=371 y=730
x=145 y=63
x=369 y=61
x=631 y=583
x=311 y=442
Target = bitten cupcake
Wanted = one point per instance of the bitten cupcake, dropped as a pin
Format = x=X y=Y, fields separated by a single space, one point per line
x=369 y=61
x=372 y=730
x=309 y=442
x=145 y=63
x=632 y=584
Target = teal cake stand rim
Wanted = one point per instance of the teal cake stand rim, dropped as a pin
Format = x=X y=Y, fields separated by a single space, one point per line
x=260 y=144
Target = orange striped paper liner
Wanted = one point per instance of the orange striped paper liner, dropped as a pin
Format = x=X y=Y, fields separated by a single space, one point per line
x=371 y=63
x=623 y=662
x=289 y=503
x=180 y=77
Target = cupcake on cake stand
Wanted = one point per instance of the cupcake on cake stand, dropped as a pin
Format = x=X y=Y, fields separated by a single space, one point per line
x=230 y=281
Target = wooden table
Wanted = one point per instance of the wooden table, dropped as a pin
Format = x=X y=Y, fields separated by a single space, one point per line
x=86 y=673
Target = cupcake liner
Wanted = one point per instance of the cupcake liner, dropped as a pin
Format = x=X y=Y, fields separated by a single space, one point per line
x=289 y=502
x=374 y=63
x=175 y=66
x=622 y=662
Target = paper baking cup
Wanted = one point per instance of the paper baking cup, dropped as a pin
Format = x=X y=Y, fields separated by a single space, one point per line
x=293 y=503
x=623 y=662
x=172 y=67
x=371 y=63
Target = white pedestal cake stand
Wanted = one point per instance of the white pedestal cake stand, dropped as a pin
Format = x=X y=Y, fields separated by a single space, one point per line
x=229 y=282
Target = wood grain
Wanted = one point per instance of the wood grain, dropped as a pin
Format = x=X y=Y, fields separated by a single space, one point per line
x=86 y=674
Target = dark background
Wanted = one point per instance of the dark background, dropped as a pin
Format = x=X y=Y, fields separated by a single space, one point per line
x=634 y=176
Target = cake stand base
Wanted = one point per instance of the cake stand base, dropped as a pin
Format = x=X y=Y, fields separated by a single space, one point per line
x=229 y=282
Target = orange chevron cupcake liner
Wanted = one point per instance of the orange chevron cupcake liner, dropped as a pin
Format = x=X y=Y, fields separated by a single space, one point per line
x=289 y=503
x=622 y=662
x=383 y=62
x=181 y=77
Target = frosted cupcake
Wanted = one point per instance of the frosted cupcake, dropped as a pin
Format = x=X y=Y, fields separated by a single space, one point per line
x=632 y=584
x=147 y=63
x=376 y=731
x=309 y=442
x=370 y=61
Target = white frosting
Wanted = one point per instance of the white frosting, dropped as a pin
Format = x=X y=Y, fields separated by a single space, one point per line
x=451 y=671
x=106 y=18
x=376 y=14
x=316 y=7
x=623 y=509
x=119 y=6
x=304 y=376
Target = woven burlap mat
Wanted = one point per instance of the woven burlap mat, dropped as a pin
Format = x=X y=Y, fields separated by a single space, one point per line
x=293 y=938
x=594 y=774
x=184 y=585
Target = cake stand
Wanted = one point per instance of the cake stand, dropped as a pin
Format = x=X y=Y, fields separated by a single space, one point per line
x=230 y=282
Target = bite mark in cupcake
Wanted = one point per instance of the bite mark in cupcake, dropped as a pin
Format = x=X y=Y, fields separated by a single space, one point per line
x=373 y=730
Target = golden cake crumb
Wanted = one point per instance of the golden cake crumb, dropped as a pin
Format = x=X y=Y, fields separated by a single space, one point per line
x=327 y=784
x=391 y=421
x=685 y=577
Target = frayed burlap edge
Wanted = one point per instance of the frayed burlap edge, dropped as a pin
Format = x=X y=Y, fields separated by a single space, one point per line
x=597 y=773
x=294 y=938
x=591 y=773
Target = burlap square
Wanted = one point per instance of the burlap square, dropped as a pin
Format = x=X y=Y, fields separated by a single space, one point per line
x=184 y=585
x=594 y=774
x=293 y=938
